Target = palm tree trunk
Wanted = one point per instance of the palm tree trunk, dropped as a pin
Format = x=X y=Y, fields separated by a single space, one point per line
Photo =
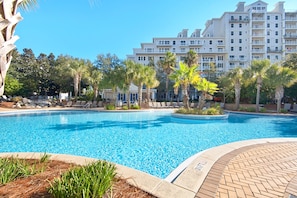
x=237 y=95
x=166 y=88
x=279 y=94
x=8 y=20
x=75 y=85
x=140 y=94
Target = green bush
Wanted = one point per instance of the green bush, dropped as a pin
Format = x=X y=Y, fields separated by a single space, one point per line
x=284 y=111
x=11 y=169
x=93 y=180
x=263 y=110
x=135 y=107
x=251 y=109
x=209 y=111
x=125 y=107
x=110 y=107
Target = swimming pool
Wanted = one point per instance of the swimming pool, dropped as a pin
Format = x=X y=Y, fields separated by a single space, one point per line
x=150 y=141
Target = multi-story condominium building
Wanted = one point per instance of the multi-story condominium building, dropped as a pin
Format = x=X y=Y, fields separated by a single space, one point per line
x=235 y=39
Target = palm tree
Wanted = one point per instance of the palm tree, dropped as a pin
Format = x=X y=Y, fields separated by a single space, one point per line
x=280 y=77
x=236 y=77
x=150 y=81
x=139 y=79
x=8 y=20
x=167 y=64
x=77 y=69
x=184 y=77
x=191 y=58
x=95 y=79
x=206 y=87
x=130 y=75
x=257 y=71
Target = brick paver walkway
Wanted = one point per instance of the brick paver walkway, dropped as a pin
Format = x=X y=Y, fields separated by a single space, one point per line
x=264 y=170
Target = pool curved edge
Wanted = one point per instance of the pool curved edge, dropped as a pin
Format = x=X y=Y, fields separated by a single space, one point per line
x=200 y=117
x=184 y=181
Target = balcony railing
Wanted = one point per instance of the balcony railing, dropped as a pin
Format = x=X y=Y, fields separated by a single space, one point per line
x=245 y=20
x=290 y=35
x=274 y=51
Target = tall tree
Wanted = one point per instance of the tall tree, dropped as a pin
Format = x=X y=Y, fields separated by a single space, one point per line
x=191 y=58
x=150 y=81
x=95 y=78
x=8 y=20
x=167 y=64
x=257 y=71
x=279 y=77
x=235 y=77
x=183 y=77
x=205 y=87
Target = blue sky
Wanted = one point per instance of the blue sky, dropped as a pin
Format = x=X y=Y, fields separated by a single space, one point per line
x=86 y=28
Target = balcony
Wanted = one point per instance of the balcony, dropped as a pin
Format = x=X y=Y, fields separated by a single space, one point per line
x=291 y=27
x=258 y=51
x=258 y=43
x=246 y=20
x=258 y=26
x=198 y=43
x=290 y=36
x=274 y=51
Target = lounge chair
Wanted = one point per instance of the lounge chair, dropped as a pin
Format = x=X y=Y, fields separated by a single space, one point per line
x=68 y=104
x=88 y=104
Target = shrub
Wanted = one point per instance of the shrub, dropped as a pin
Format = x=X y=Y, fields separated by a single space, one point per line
x=251 y=109
x=125 y=107
x=110 y=107
x=263 y=110
x=209 y=111
x=284 y=111
x=11 y=169
x=135 y=107
x=93 y=180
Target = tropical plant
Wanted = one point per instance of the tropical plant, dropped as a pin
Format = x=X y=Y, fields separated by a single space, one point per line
x=235 y=77
x=279 y=77
x=205 y=87
x=93 y=180
x=257 y=71
x=183 y=77
x=95 y=79
x=150 y=81
x=9 y=19
x=191 y=58
x=167 y=64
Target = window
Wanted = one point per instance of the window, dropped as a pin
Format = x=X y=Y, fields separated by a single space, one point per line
x=276 y=33
x=173 y=42
x=232 y=25
x=276 y=57
x=220 y=57
x=240 y=17
x=231 y=57
x=232 y=17
x=210 y=42
x=276 y=25
x=241 y=57
x=240 y=48
x=268 y=17
x=240 y=33
x=232 y=40
x=268 y=40
x=268 y=56
x=183 y=42
x=268 y=25
x=276 y=40
x=240 y=25
x=182 y=49
x=192 y=42
x=232 y=48
x=240 y=41
x=232 y=33
x=268 y=33
x=276 y=17
x=220 y=65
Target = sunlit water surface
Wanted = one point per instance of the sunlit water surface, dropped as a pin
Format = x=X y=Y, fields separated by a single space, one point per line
x=153 y=142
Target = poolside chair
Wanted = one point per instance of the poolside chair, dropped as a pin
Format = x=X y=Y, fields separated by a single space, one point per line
x=68 y=104
x=94 y=104
x=88 y=104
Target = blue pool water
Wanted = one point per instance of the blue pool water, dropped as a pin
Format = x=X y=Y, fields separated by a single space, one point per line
x=153 y=142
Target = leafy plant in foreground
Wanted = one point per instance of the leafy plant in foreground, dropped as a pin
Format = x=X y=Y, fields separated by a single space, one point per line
x=93 y=180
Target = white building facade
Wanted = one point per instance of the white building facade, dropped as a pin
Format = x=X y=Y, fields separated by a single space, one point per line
x=235 y=39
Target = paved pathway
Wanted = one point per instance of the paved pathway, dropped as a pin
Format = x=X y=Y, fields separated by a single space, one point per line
x=262 y=170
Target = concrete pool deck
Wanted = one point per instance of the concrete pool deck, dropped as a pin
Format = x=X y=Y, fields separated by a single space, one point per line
x=251 y=168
